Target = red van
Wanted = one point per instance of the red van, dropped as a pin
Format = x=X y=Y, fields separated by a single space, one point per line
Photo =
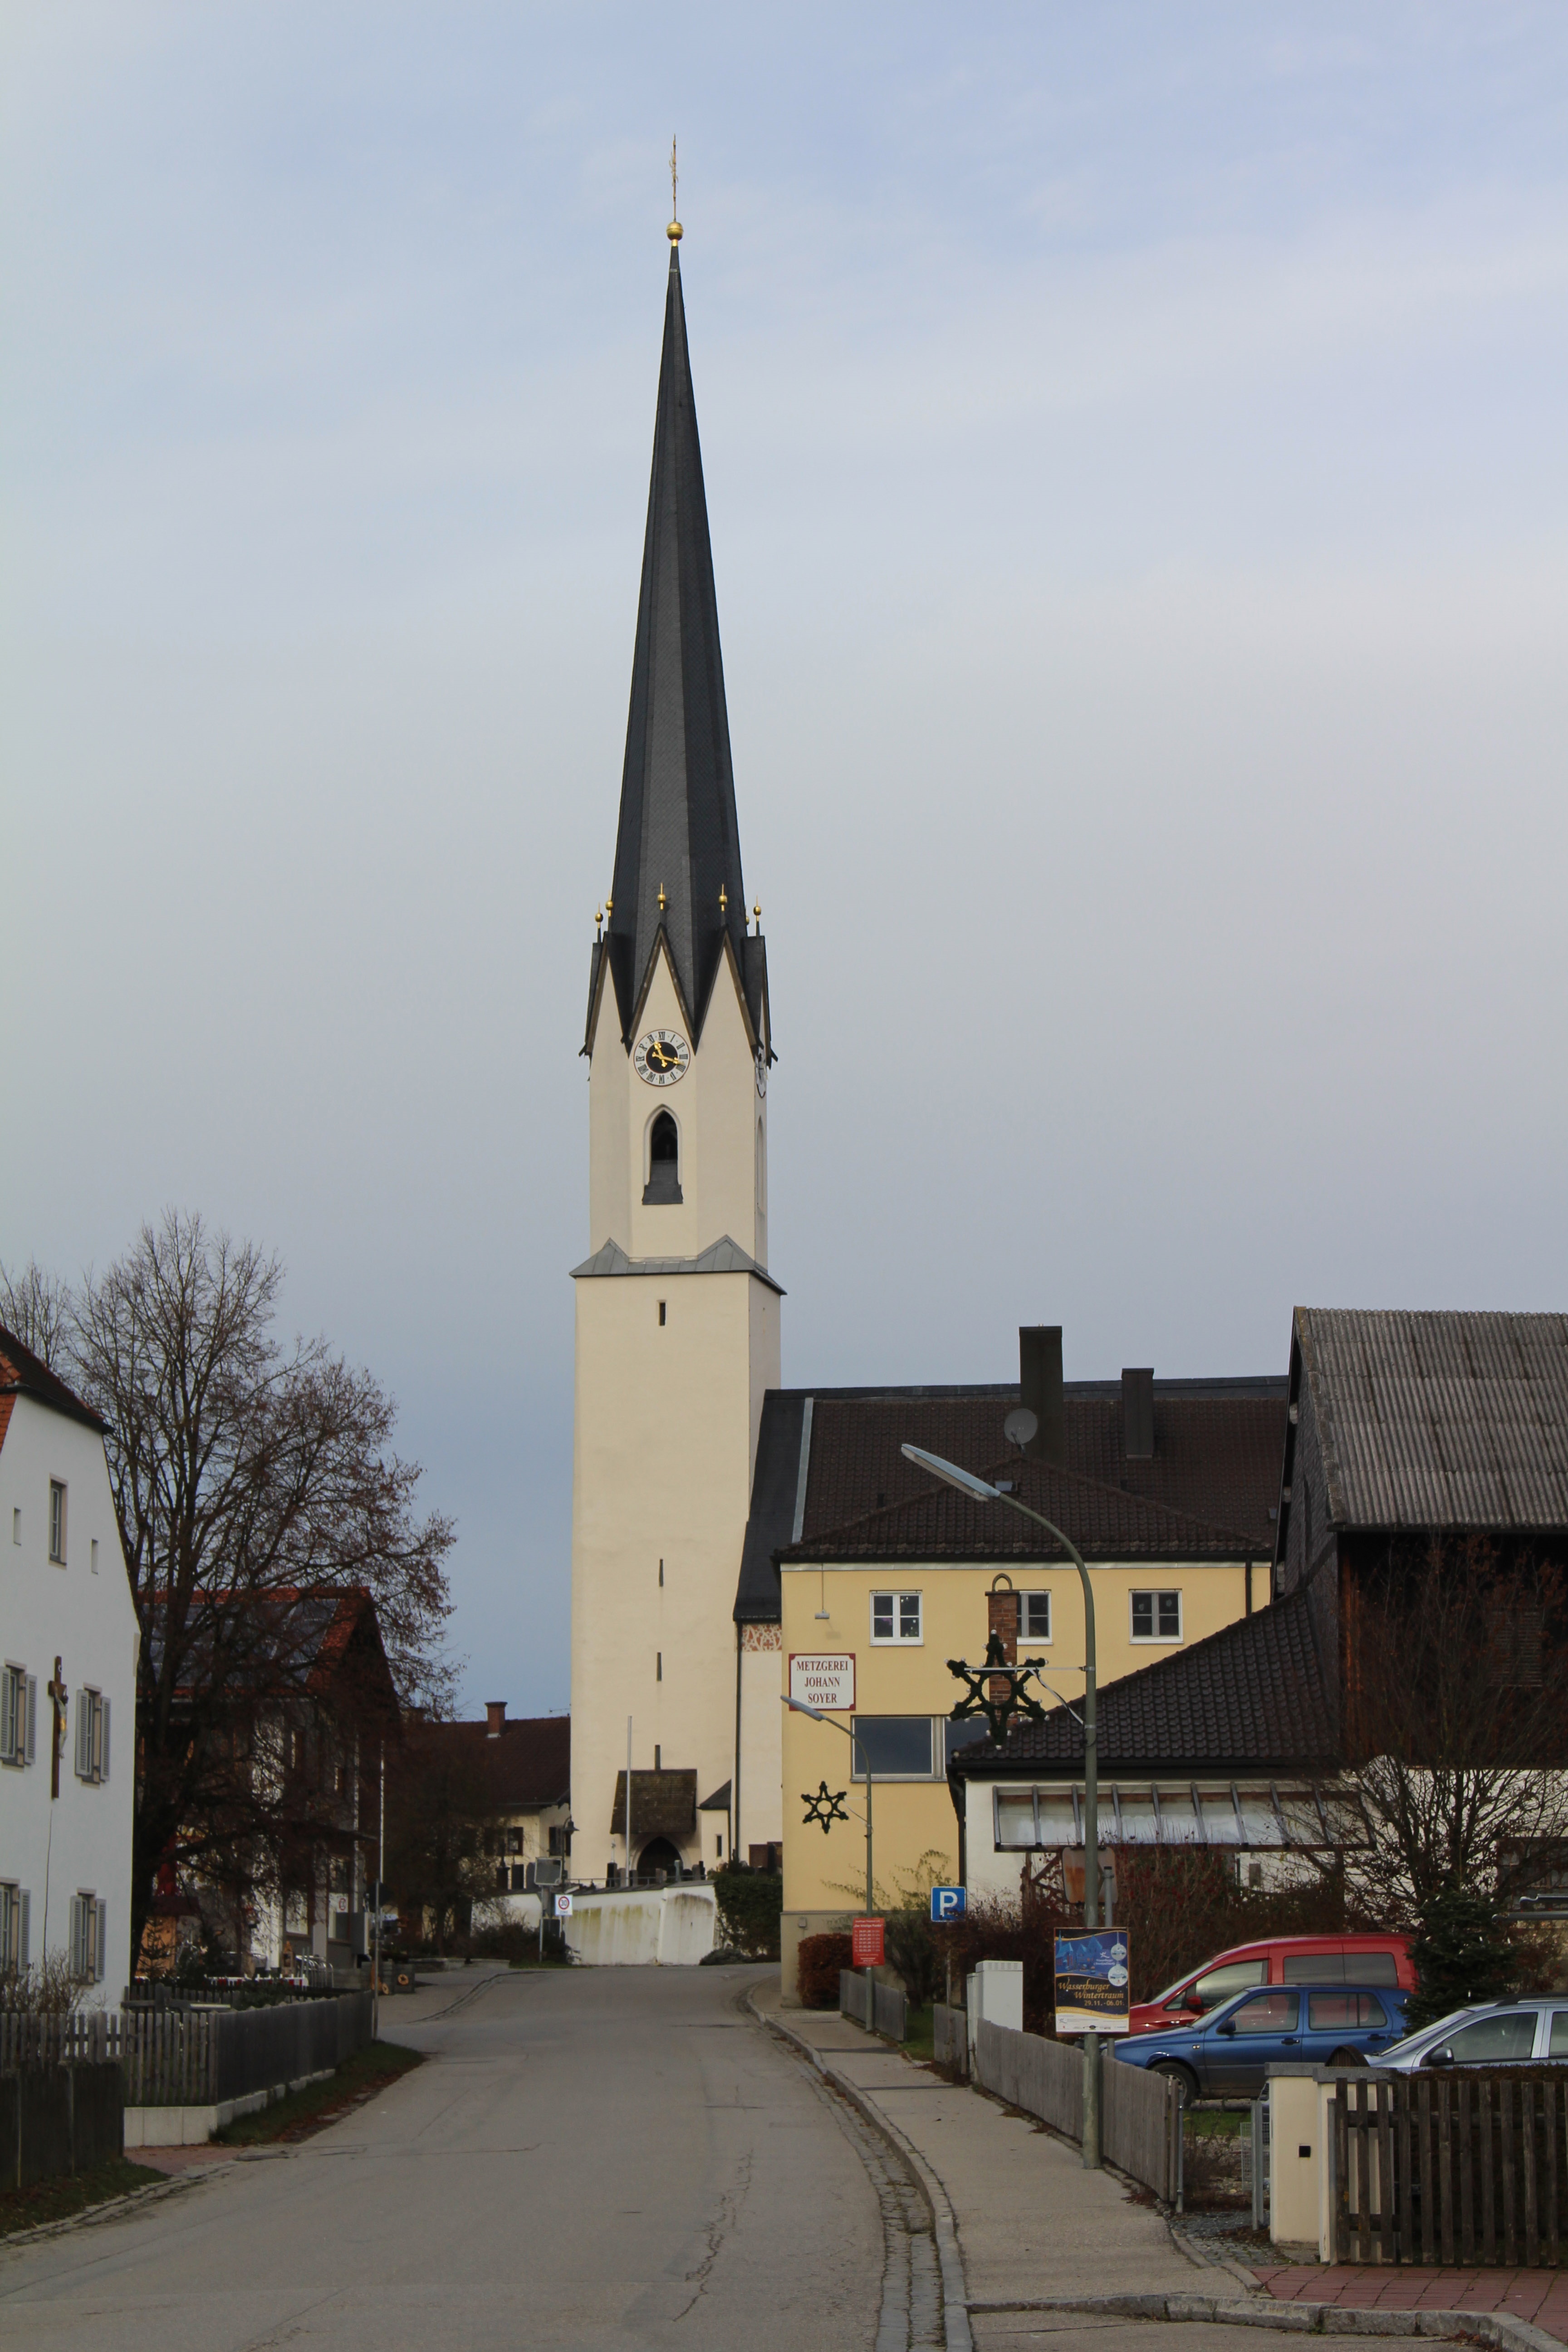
x=1279 y=1959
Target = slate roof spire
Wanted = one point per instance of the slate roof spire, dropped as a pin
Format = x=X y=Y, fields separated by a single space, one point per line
x=678 y=852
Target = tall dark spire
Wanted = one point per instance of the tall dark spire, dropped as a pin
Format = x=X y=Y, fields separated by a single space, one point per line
x=678 y=835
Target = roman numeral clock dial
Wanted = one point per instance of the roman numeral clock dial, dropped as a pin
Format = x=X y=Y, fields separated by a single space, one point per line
x=661 y=1057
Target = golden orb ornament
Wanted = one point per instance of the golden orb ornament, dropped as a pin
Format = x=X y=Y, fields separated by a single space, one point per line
x=674 y=232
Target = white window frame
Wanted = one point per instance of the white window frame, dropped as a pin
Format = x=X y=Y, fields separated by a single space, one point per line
x=1024 y=1633
x=57 y=1495
x=14 y=1922
x=88 y=1919
x=92 y=1736
x=937 y=1769
x=1155 y=1595
x=18 y=1713
x=898 y=1639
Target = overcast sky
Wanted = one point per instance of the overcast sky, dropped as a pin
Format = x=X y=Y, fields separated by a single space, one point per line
x=1135 y=454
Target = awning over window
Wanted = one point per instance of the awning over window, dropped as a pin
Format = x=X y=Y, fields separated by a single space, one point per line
x=1191 y=1812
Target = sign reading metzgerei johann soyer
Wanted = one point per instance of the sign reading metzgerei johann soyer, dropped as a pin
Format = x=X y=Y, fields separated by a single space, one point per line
x=1092 y=1985
x=824 y=1679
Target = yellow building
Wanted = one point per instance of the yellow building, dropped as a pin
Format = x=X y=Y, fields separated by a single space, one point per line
x=871 y=1611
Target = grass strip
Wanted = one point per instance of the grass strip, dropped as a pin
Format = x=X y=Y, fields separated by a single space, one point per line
x=358 y=2078
x=67 y=2193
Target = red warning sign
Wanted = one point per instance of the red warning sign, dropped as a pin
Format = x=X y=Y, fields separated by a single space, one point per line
x=865 y=1948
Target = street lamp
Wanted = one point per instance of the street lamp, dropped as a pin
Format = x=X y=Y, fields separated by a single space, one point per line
x=799 y=1706
x=981 y=1491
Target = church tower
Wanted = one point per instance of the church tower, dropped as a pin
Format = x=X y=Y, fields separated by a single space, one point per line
x=678 y=1317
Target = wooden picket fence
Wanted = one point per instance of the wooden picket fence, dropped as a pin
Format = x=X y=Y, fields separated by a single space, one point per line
x=1451 y=2169
x=195 y=2057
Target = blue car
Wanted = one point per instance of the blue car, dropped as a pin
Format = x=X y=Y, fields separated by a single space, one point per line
x=1227 y=2054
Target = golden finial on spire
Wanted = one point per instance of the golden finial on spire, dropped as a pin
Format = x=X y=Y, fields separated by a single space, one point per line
x=673 y=231
x=663 y=901
x=598 y=922
x=757 y=911
x=609 y=906
x=723 y=900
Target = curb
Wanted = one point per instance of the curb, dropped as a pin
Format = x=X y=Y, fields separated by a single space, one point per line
x=113 y=2207
x=1300 y=2318
x=956 y=2304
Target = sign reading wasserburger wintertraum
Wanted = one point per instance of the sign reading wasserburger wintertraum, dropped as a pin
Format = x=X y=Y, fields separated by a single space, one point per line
x=1092 y=1985
x=823 y=1678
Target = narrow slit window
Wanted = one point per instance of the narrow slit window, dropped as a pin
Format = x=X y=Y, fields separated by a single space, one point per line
x=661 y=1314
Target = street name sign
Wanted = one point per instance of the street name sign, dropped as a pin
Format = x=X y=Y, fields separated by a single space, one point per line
x=947 y=1903
x=823 y=1678
x=1092 y=1984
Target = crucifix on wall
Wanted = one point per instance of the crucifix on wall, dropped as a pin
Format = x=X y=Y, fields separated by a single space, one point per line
x=59 y=1696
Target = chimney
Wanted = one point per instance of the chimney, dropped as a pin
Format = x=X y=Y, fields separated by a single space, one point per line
x=495 y=1714
x=1040 y=1388
x=1138 y=1413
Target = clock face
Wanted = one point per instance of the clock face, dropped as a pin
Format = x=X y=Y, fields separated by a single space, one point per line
x=761 y=1069
x=661 y=1057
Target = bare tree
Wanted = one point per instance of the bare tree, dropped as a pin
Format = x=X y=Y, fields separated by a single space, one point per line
x=37 y=1307
x=1454 y=1728
x=246 y=1474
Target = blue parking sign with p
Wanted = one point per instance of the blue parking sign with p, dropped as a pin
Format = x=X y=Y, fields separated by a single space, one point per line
x=947 y=1903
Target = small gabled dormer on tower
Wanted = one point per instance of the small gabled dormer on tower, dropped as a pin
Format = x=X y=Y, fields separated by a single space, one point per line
x=678 y=1033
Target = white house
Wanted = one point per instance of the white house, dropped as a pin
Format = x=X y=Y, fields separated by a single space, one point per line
x=68 y=1686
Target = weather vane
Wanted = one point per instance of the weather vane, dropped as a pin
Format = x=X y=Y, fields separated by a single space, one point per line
x=979 y=1696
x=674 y=229
x=824 y=1807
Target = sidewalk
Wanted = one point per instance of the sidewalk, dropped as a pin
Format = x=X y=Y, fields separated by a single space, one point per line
x=1035 y=2230
x=1539 y=2296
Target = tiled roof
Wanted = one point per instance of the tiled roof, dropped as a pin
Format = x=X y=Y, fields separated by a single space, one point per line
x=663 y=1804
x=1250 y=1697
x=1217 y=1451
x=23 y=1374
x=1217 y=1446
x=529 y=1763
x=1440 y=1420
x=1105 y=1522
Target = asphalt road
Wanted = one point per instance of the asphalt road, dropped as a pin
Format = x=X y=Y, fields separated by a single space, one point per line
x=599 y=2159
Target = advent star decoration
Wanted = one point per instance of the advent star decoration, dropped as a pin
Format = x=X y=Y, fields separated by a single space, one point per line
x=824 y=1807
x=978 y=1698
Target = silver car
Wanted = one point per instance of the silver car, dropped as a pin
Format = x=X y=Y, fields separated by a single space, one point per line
x=1487 y=2034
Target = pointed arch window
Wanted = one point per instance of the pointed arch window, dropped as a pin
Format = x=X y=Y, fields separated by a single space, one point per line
x=663 y=1162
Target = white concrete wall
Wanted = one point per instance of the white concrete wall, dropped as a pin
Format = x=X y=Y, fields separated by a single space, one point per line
x=81 y=1614
x=665 y=1926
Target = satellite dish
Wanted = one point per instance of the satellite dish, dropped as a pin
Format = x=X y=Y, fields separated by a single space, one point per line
x=1021 y=1426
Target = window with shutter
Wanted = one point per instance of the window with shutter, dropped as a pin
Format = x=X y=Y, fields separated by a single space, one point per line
x=99 y=1938
x=13 y=1698
x=32 y=1716
x=27 y=1929
x=84 y=1736
x=103 y=1739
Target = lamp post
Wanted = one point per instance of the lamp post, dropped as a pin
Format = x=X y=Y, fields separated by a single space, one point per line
x=799 y=1706
x=981 y=1491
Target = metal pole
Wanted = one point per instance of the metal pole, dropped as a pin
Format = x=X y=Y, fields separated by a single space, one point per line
x=628 y=1801
x=380 y=1898
x=1092 y=2158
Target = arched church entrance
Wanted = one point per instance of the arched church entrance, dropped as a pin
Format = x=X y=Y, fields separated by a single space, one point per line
x=659 y=1854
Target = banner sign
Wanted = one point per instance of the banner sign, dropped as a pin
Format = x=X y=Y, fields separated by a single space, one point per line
x=824 y=1679
x=947 y=1903
x=1093 y=1987
x=866 y=1946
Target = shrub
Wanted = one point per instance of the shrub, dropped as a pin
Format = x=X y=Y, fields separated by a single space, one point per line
x=817 y=1969
x=750 y=1905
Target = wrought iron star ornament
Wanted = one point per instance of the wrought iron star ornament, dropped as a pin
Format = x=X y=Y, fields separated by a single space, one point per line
x=824 y=1807
x=977 y=1697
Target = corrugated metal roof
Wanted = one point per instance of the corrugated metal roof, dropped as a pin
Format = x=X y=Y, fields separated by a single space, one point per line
x=1440 y=1420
